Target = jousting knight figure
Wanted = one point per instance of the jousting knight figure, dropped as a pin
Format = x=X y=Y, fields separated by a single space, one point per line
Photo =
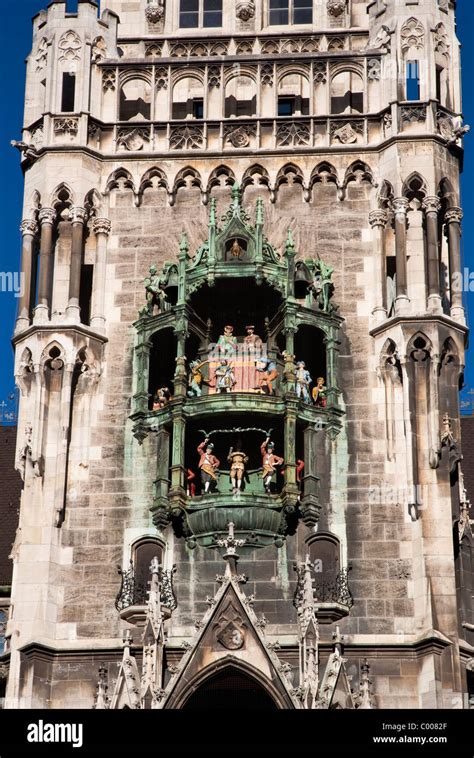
x=270 y=461
x=209 y=464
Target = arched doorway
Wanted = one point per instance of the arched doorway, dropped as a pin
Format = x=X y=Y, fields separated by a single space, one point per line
x=230 y=689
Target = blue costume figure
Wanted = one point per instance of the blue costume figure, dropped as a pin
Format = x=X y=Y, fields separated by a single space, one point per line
x=303 y=380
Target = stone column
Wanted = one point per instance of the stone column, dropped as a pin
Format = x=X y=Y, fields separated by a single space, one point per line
x=453 y=218
x=77 y=217
x=46 y=218
x=29 y=229
x=310 y=505
x=378 y=221
x=431 y=206
x=400 y=209
x=102 y=227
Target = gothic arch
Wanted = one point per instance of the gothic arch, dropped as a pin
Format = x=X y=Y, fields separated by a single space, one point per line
x=249 y=72
x=93 y=202
x=187 y=73
x=323 y=173
x=120 y=179
x=221 y=174
x=256 y=171
x=359 y=172
x=54 y=350
x=187 y=177
x=385 y=195
x=290 y=173
x=127 y=76
x=346 y=67
x=153 y=178
x=217 y=667
x=62 y=196
x=419 y=341
x=412 y=34
x=388 y=353
x=414 y=187
x=447 y=193
x=292 y=70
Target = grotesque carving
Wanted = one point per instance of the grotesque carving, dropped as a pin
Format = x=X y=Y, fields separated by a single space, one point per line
x=245 y=9
x=155 y=11
x=336 y=7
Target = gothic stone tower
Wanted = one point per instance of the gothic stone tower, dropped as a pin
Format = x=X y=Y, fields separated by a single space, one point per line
x=291 y=165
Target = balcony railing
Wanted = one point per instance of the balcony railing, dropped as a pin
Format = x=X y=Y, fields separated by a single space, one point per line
x=332 y=590
x=133 y=592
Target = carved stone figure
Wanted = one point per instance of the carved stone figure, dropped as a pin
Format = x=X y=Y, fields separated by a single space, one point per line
x=270 y=462
x=245 y=9
x=155 y=294
x=154 y=11
x=268 y=373
x=225 y=377
x=322 y=286
x=196 y=378
x=336 y=7
x=227 y=342
x=237 y=460
x=319 y=393
x=303 y=380
x=209 y=464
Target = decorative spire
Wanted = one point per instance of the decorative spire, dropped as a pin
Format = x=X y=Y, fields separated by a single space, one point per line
x=230 y=544
x=259 y=212
x=366 y=700
x=102 y=699
x=235 y=196
x=212 y=212
x=308 y=636
x=184 y=245
x=338 y=639
x=290 y=245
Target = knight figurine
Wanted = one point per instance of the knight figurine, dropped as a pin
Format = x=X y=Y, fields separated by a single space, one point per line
x=225 y=377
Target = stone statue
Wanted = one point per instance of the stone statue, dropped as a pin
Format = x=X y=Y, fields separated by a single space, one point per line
x=303 y=380
x=225 y=377
x=209 y=464
x=319 y=392
x=196 y=378
x=270 y=461
x=161 y=398
x=237 y=460
x=227 y=342
x=155 y=294
x=268 y=371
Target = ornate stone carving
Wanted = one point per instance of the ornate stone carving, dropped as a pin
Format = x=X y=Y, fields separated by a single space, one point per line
x=69 y=46
x=154 y=11
x=347 y=134
x=28 y=226
x=245 y=9
x=413 y=114
x=77 y=215
x=198 y=49
x=266 y=74
x=412 y=34
x=431 y=205
x=320 y=73
x=336 y=8
x=161 y=78
x=441 y=44
x=294 y=133
x=451 y=129
x=214 y=75
x=101 y=226
x=382 y=39
x=132 y=139
x=374 y=67
x=94 y=131
x=336 y=43
x=47 y=216
x=37 y=137
x=28 y=151
x=109 y=79
x=231 y=629
x=41 y=57
x=240 y=136
x=244 y=47
x=153 y=49
x=378 y=218
x=66 y=126
x=453 y=215
x=290 y=45
x=186 y=138
x=99 y=50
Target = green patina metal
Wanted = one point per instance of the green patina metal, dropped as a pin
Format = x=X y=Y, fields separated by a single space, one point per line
x=236 y=249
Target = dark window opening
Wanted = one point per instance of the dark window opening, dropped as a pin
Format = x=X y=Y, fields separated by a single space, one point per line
x=286 y=106
x=212 y=16
x=234 y=107
x=189 y=14
x=85 y=297
x=198 y=108
x=413 y=80
x=230 y=690
x=135 y=105
x=302 y=11
x=350 y=102
x=144 y=553
x=68 y=93
x=279 y=12
x=439 y=71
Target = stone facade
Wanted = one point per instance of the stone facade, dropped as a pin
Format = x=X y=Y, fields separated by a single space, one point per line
x=346 y=128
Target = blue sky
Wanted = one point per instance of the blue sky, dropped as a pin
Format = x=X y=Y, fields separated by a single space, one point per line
x=15 y=38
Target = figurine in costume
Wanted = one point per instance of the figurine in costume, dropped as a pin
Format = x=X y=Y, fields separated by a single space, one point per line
x=303 y=380
x=319 y=393
x=268 y=373
x=191 y=486
x=237 y=460
x=196 y=378
x=252 y=341
x=269 y=463
x=227 y=342
x=161 y=398
x=322 y=286
x=155 y=294
x=225 y=378
x=299 y=470
x=208 y=463
x=236 y=250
